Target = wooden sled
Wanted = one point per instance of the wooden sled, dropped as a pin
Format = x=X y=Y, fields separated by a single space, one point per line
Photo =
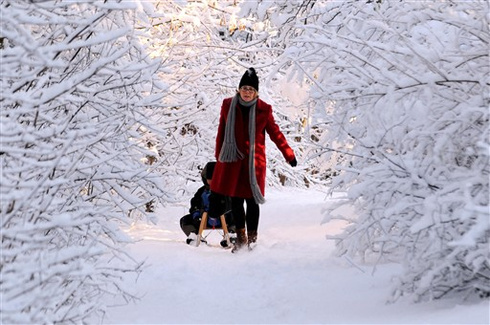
x=226 y=242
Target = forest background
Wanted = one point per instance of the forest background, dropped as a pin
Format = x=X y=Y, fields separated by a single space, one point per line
x=108 y=108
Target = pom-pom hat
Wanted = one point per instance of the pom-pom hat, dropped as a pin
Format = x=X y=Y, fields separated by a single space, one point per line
x=249 y=78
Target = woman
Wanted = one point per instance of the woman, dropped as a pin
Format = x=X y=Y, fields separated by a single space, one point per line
x=240 y=154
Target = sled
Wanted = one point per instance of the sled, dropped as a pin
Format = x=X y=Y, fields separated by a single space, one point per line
x=226 y=242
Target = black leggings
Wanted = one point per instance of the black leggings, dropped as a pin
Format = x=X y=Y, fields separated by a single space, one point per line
x=250 y=217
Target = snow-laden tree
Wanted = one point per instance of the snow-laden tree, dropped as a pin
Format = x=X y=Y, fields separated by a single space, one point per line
x=76 y=93
x=405 y=87
x=279 y=21
x=208 y=46
x=186 y=37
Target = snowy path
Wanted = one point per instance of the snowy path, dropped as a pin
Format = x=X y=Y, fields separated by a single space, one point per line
x=290 y=278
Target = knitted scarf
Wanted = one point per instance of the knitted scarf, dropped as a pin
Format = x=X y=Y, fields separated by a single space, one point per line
x=229 y=151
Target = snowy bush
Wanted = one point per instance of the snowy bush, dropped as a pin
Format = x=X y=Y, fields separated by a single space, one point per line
x=271 y=25
x=75 y=85
x=208 y=46
x=409 y=88
x=185 y=36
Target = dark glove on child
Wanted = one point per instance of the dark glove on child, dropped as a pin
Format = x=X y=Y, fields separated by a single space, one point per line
x=293 y=162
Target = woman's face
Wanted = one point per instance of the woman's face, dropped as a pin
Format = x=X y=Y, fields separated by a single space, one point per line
x=248 y=93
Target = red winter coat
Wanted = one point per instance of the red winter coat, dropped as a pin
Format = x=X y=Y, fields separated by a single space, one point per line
x=232 y=179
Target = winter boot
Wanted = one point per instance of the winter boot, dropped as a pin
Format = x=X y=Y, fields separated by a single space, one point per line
x=191 y=239
x=241 y=240
x=252 y=239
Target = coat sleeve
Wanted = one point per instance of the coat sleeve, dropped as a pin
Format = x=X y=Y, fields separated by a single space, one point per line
x=221 y=127
x=196 y=201
x=278 y=137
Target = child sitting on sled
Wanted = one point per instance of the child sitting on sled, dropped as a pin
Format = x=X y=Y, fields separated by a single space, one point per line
x=199 y=204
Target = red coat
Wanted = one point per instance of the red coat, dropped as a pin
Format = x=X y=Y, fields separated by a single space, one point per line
x=232 y=179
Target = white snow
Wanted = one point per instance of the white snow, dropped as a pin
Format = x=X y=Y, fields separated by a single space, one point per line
x=291 y=277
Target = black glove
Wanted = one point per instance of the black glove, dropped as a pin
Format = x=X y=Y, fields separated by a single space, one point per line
x=293 y=162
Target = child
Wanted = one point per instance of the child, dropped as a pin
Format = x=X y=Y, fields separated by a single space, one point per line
x=200 y=203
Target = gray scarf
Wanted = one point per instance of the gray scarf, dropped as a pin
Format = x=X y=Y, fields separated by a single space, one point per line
x=229 y=151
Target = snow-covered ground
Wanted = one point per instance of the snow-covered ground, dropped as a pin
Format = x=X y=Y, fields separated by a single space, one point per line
x=290 y=278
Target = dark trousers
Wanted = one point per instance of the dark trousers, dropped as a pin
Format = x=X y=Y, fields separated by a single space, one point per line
x=248 y=216
x=219 y=204
x=189 y=224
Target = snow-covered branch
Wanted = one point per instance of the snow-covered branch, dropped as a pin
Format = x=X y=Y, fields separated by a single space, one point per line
x=405 y=89
x=74 y=76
